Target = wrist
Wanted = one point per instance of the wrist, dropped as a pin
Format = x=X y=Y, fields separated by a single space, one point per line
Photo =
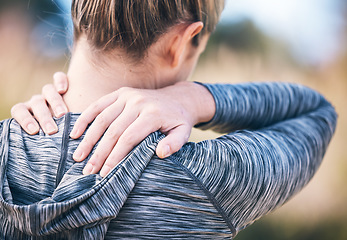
x=197 y=100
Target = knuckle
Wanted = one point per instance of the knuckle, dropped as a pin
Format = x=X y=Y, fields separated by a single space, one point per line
x=95 y=106
x=123 y=90
x=128 y=139
x=19 y=109
x=128 y=93
x=82 y=121
x=96 y=159
x=56 y=102
x=37 y=98
x=112 y=134
x=16 y=113
x=86 y=144
x=26 y=121
x=45 y=120
x=16 y=107
x=101 y=120
x=153 y=109
x=47 y=88
x=109 y=164
x=59 y=77
x=138 y=99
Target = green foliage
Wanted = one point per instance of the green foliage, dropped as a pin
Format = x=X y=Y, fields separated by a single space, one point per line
x=268 y=229
x=246 y=39
x=241 y=36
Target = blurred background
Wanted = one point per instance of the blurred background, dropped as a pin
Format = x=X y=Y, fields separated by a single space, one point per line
x=302 y=41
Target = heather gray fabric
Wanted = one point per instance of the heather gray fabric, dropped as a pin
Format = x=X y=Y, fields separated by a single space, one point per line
x=278 y=134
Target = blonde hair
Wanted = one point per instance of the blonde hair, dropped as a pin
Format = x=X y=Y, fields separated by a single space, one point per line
x=134 y=25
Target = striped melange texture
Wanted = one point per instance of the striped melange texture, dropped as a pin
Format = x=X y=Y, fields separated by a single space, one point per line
x=277 y=136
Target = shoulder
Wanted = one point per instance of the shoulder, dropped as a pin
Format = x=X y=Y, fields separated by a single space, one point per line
x=4 y=131
x=5 y=124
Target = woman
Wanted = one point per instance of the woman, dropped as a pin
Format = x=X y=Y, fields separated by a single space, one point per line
x=207 y=190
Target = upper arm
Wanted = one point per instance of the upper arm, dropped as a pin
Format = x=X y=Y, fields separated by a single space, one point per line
x=249 y=173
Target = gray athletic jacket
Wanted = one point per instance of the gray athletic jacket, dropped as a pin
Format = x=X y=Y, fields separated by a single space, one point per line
x=278 y=134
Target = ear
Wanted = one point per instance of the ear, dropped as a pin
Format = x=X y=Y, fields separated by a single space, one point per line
x=183 y=39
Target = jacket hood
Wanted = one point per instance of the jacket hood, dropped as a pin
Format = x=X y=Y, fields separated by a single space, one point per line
x=80 y=205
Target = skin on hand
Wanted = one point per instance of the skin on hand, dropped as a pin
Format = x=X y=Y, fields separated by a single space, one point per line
x=128 y=116
x=40 y=109
x=122 y=119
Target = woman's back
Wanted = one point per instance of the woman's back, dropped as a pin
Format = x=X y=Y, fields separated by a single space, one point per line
x=206 y=190
x=47 y=193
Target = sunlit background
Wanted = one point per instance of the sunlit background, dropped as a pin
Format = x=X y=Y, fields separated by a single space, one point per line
x=302 y=41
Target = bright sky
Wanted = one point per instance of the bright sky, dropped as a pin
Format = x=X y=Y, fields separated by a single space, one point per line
x=312 y=28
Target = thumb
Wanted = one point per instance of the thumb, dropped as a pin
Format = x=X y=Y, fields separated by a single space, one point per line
x=174 y=141
x=61 y=82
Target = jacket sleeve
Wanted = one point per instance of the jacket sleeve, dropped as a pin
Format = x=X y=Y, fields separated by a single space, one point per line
x=281 y=133
x=257 y=105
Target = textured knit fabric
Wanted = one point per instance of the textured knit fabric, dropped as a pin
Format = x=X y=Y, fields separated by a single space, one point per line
x=277 y=136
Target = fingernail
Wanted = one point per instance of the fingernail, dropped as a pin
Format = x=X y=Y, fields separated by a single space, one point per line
x=166 y=151
x=77 y=156
x=31 y=128
x=61 y=87
x=50 y=128
x=88 y=169
x=73 y=133
x=104 y=171
x=60 y=111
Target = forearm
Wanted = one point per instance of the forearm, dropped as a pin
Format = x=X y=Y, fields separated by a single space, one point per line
x=257 y=105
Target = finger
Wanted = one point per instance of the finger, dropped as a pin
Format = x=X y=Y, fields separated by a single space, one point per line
x=96 y=130
x=61 y=82
x=54 y=100
x=21 y=113
x=131 y=137
x=174 y=141
x=43 y=114
x=108 y=142
x=91 y=113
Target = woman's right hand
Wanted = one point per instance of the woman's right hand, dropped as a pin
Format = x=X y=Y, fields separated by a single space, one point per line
x=122 y=119
x=40 y=109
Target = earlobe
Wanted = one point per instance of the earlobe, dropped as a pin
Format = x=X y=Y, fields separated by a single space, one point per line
x=182 y=40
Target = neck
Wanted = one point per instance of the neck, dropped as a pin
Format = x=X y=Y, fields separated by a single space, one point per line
x=90 y=79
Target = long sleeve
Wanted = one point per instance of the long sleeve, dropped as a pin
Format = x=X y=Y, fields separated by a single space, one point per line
x=256 y=105
x=277 y=145
x=1 y=138
x=285 y=131
x=1 y=126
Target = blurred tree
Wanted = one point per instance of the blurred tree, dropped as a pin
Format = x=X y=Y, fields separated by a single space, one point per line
x=241 y=36
x=245 y=38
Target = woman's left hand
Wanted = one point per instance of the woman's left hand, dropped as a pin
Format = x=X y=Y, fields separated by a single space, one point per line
x=125 y=117
x=40 y=109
